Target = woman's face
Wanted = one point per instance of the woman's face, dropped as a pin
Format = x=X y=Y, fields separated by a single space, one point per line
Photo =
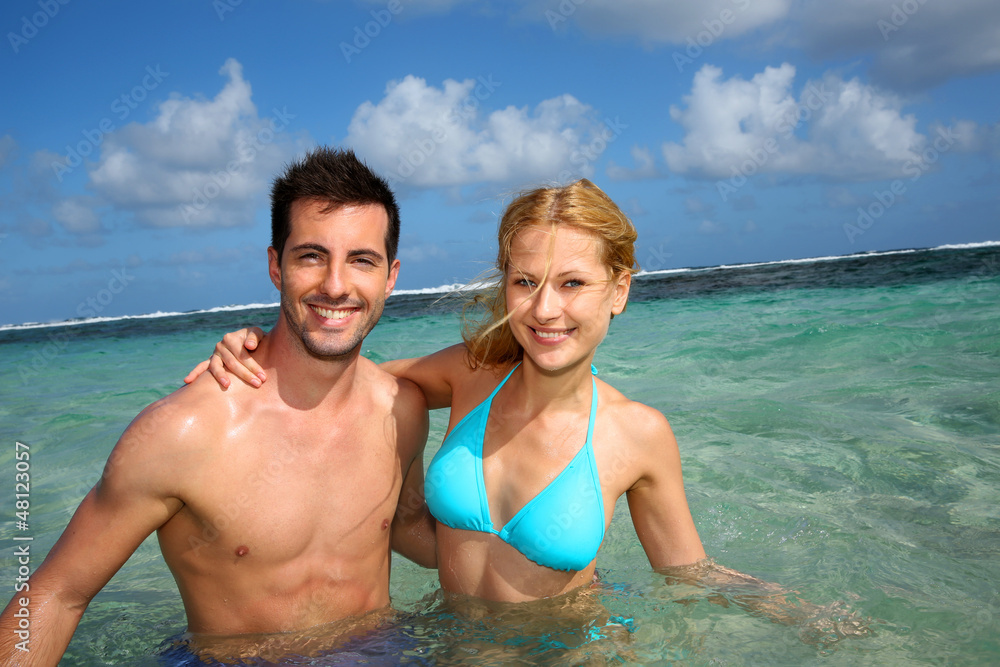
x=560 y=296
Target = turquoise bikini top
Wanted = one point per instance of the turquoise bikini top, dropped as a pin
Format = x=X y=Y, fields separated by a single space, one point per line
x=562 y=527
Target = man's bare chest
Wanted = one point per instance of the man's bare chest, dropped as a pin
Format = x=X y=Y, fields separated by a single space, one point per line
x=283 y=495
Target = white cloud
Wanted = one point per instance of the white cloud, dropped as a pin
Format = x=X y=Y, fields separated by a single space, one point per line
x=425 y=136
x=711 y=227
x=971 y=137
x=8 y=148
x=34 y=227
x=837 y=129
x=198 y=163
x=633 y=207
x=210 y=255
x=841 y=197
x=653 y=22
x=916 y=43
x=645 y=166
x=697 y=206
x=409 y=7
x=656 y=22
x=77 y=216
x=422 y=253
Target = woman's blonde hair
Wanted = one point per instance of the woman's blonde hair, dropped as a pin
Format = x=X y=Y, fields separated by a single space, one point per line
x=580 y=204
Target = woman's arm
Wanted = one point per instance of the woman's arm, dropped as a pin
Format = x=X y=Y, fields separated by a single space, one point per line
x=656 y=500
x=667 y=532
x=436 y=374
x=821 y=625
x=232 y=354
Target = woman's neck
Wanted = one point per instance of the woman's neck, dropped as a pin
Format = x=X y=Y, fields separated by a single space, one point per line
x=540 y=390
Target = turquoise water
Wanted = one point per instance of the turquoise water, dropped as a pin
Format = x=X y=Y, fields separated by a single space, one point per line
x=839 y=424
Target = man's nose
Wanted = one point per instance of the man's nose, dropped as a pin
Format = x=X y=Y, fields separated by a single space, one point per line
x=336 y=283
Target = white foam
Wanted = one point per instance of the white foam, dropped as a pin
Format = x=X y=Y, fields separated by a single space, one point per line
x=462 y=287
x=830 y=258
x=144 y=316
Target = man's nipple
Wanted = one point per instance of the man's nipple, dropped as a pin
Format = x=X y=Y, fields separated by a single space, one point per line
x=242 y=550
x=385 y=524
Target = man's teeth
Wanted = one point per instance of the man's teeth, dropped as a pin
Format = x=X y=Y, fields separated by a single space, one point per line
x=332 y=314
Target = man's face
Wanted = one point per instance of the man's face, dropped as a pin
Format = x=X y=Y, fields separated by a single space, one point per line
x=334 y=276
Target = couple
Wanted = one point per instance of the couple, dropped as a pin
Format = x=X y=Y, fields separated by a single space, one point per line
x=276 y=508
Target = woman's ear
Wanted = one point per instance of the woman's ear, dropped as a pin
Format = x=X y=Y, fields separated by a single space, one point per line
x=622 y=285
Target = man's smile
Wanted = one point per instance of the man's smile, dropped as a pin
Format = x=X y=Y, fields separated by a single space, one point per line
x=333 y=313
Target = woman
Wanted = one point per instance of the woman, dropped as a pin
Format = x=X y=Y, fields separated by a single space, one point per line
x=538 y=449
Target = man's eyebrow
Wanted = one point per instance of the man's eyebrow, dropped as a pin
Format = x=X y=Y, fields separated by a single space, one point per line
x=358 y=252
x=366 y=252
x=310 y=246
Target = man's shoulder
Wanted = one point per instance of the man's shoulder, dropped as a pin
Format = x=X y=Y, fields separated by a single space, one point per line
x=403 y=403
x=391 y=391
x=187 y=415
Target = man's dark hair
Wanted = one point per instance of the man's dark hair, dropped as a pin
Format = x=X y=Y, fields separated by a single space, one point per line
x=335 y=177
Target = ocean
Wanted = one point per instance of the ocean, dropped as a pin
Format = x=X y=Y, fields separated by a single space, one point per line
x=839 y=426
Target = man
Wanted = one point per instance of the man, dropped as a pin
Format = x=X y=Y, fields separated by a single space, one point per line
x=272 y=507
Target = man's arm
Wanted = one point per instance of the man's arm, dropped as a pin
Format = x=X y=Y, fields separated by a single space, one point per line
x=413 y=534
x=124 y=508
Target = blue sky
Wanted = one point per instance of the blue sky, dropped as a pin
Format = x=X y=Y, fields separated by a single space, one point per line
x=138 y=140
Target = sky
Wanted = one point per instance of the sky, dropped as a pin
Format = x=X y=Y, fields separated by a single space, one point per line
x=138 y=140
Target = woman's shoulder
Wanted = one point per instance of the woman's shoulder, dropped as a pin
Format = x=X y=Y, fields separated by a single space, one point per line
x=636 y=423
